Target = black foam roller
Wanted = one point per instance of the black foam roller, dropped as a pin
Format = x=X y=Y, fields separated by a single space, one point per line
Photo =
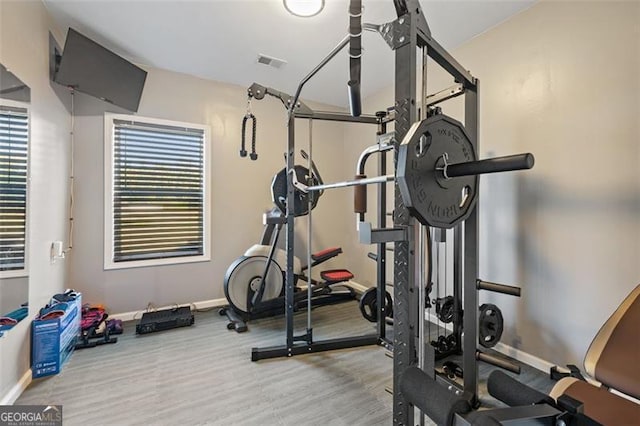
x=437 y=402
x=512 y=392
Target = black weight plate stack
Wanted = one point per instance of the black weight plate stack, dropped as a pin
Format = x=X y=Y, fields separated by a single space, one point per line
x=279 y=191
x=490 y=325
x=432 y=199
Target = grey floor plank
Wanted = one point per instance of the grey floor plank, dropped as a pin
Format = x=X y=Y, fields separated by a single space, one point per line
x=202 y=375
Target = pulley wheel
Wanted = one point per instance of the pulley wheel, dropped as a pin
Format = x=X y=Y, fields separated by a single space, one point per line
x=245 y=274
x=369 y=305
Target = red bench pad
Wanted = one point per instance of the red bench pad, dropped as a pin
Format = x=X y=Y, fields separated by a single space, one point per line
x=336 y=275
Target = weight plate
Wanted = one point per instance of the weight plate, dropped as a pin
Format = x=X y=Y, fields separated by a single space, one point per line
x=246 y=272
x=279 y=191
x=369 y=305
x=432 y=199
x=490 y=325
x=444 y=309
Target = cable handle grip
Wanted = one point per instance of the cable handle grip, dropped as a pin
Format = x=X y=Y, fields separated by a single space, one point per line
x=243 y=145
x=243 y=149
x=491 y=165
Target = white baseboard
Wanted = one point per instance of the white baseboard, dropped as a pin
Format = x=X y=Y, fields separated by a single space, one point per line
x=204 y=304
x=524 y=357
x=504 y=349
x=359 y=288
x=17 y=389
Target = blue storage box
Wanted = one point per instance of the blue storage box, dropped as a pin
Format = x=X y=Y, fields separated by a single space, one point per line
x=53 y=340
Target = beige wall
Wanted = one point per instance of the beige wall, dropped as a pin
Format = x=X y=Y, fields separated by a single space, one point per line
x=240 y=190
x=561 y=80
x=24 y=46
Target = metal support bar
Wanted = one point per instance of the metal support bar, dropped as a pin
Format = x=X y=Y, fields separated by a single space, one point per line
x=314 y=71
x=445 y=94
x=470 y=271
x=319 y=346
x=336 y=116
x=498 y=288
x=290 y=280
x=498 y=362
x=540 y=414
x=381 y=258
x=347 y=183
x=383 y=235
x=258 y=92
x=446 y=61
x=405 y=303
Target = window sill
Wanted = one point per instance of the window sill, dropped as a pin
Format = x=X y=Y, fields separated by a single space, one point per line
x=155 y=262
x=21 y=273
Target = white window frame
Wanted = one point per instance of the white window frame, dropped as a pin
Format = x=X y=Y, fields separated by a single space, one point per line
x=22 y=273
x=108 y=194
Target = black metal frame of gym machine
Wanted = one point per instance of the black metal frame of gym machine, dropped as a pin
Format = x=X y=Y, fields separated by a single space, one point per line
x=404 y=35
x=296 y=345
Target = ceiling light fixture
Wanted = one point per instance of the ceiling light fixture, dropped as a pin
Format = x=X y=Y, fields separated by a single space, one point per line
x=304 y=8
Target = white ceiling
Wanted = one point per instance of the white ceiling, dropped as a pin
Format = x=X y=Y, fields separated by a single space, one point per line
x=221 y=39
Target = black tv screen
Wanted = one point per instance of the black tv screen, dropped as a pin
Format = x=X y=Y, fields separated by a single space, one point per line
x=90 y=68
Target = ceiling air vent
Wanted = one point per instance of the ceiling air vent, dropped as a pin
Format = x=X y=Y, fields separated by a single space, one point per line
x=271 y=61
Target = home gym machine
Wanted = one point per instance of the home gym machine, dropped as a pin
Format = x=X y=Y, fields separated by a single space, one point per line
x=436 y=188
x=284 y=194
x=437 y=183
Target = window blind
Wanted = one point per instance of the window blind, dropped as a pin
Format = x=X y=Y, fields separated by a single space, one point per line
x=14 y=136
x=158 y=191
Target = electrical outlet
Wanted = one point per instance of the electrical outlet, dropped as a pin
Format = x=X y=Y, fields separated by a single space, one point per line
x=56 y=251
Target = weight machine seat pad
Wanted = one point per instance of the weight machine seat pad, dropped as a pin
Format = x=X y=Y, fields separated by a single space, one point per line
x=326 y=254
x=599 y=404
x=333 y=276
x=614 y=355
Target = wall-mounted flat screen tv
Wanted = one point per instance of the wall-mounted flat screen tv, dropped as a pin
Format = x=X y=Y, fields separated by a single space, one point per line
x=92 y=69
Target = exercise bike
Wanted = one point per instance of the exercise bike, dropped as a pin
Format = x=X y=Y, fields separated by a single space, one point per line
x=254 y=283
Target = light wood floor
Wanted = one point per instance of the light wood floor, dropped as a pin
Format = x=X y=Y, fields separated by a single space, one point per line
x=203 y=375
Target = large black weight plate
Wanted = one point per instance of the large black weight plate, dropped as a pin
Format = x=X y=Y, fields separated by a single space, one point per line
x=369 y=305
x=433 y=200
x=279 y=191
x=490 y=325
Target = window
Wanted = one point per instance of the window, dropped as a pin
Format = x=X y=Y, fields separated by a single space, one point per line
x=14 y=138
x=156 y=192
